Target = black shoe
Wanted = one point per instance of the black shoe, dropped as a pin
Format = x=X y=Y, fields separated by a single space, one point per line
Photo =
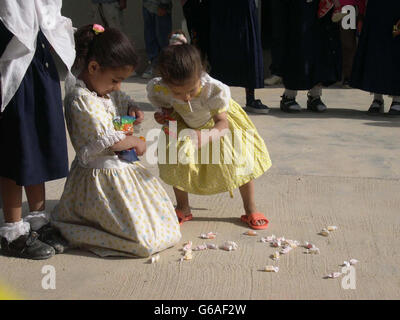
x=315 y=104
x=346 y=84
x=377 y=106
x=27 y=246
x=257 y=106
x=394 y=109
x=53 y=238
x=289 y=104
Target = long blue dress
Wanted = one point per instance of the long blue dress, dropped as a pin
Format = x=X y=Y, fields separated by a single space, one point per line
x=32 y=131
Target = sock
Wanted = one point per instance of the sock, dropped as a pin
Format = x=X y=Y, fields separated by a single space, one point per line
x=37 y=219
x=13 y=230
x=249 y=96
x=315 y=92
x=378 y=96
x=291 y=94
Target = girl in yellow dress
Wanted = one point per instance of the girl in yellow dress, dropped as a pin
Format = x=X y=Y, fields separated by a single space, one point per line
x=212 y=146
x=109 y=206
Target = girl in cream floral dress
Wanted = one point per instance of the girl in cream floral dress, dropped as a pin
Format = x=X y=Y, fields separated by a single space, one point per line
x=109 y=206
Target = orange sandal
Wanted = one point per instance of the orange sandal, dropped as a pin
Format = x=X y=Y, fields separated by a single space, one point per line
x=252 y=219
x=181 y=216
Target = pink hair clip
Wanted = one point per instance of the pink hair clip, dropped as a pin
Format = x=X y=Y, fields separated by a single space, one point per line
x=97 y=28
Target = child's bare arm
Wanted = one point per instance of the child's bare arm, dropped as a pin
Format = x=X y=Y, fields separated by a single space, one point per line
x=221 y=125
x=221 y=121
x=130 y=142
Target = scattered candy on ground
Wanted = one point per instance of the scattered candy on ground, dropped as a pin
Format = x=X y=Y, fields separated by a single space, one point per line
x=210 y=235
x=271 y=269
x=250 y=233
x=229 y=246
x=155 y=259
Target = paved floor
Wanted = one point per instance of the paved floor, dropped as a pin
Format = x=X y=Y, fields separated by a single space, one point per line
x=339 y=168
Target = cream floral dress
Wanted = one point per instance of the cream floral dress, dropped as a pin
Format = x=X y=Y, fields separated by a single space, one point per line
x=237 y=158
x=109 y=206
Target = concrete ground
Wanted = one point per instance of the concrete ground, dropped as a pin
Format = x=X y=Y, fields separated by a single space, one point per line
x=339 y=168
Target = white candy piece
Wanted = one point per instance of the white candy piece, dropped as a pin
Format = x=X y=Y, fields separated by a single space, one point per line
x=281 y=239
x=229 y=246
x=275 y=256
x=334 y=275
x=331 y=228
x=292 y=243
x=268 y=239
x=286 y=249
x=324 y=232
x=155 y=259
x=200 y=247
x=187 y=246
x=353 y=261
x=346 y=264
x=212 y=246
x=210 y=235
x=271 y=269
x=313 y=250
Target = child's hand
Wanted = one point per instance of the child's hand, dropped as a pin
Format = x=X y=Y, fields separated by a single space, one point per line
x=134 y=111
x=140 y=146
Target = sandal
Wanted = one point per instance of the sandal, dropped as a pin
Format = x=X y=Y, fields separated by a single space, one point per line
x=252 y=219
x=182 y=217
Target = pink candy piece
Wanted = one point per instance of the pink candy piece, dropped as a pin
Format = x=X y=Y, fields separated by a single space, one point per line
x=334 y=275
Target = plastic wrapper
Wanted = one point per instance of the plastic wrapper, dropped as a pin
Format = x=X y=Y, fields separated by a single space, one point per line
x=126 y=124
x=229 y=246
x=334 y=275
x=210 y=235
x=250 y=233
x=275 y=256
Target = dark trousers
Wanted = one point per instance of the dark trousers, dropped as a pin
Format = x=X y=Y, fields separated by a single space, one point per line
x=349 y=48
x=276 y=31
x=156 y=32
x=197 y=21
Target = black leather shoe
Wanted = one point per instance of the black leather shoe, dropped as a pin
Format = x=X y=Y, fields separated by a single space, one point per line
x=53 y=238
x=289 y=105
x=315 y=104
x=377 y=106
x=27 y=246
x=257 y=106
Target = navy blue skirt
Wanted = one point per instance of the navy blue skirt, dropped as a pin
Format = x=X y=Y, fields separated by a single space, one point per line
x=234 y=51
x=376 y=65
x=312 y=52
x=32 y=130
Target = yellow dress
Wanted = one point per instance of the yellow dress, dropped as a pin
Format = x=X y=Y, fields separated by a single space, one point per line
x=237 y=158
x=109 y=206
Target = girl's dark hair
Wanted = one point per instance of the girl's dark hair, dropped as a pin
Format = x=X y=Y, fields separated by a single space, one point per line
x=178 y=63
x=110 y=49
